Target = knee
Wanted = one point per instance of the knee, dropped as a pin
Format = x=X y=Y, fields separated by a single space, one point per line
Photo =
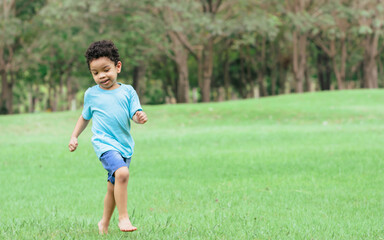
x=122 y=175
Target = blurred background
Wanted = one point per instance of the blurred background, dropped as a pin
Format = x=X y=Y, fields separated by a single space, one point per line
x=188 y=51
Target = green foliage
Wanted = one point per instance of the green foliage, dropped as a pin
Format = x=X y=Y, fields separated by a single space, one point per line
x=47 y=40
x=155 y=93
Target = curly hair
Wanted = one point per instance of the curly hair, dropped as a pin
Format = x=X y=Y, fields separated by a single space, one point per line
x=103 y=48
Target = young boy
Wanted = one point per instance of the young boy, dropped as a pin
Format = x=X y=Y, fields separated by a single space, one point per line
x=111 y=105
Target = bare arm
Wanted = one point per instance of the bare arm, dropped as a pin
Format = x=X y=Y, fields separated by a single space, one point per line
x=140 y=117
x=79 y=128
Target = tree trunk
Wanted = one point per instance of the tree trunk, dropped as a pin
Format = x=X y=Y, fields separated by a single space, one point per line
x=273 y=73
x=52 y=97
x=282 y=79
x=226 y=75
x=49 y=106
x=200 y=67
x=260 y=81
x=261 y=70
x=139 y=80
x=31 y=107
x=307 y=81
x=183 y=76
x=4 y=89
x=210 y=8
x=251 y=92
x=207 y=70
x=283 y=65
x=34 y=97
x=243 y=80
x=6 y=99
x=370 y=65
x=323 y=69
x=181 y=60
x=299 y=60
x=71 y=93
x=6 y=94
x=340 y=73
x=170 y=81
x=11 y=83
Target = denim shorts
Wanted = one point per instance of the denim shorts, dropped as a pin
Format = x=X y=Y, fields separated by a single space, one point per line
x=112 y=160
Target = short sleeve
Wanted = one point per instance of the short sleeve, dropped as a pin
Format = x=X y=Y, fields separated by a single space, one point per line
x=134 y=104
x=87 y=113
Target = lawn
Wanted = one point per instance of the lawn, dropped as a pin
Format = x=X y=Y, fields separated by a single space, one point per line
x=306 y=166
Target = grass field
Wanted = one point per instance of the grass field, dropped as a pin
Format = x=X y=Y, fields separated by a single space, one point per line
x=306 y=166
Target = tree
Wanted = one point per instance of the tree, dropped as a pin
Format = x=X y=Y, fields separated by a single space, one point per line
x=15 y=18
x=333 y=27
x=159 y=21
x=60 y=47
x=301 y=24
x=371 y=23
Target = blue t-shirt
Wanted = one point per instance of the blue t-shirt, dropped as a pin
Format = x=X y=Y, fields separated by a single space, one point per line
x=111 y=111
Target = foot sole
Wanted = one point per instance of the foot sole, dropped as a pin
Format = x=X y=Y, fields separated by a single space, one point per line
x=131 y=230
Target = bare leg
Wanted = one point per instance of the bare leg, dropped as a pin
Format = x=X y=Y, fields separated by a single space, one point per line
x=121 y=183
x=109 y=207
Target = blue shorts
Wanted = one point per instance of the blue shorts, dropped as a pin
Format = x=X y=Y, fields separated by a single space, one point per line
x=112 y=160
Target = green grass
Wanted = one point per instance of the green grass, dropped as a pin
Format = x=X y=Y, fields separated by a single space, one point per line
x=304 y=166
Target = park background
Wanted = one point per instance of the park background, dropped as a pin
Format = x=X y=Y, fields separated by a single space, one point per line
x=188 y=51
x=301 y=164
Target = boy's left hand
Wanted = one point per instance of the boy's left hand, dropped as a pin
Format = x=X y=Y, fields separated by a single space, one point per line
x=140 y=117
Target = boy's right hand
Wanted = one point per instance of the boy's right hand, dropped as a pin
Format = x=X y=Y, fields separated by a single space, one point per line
x=73 y=144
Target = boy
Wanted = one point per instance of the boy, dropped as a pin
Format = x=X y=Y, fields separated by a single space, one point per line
x=110 y=104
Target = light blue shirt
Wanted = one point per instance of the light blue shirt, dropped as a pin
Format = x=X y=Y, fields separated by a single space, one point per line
x=111 y=111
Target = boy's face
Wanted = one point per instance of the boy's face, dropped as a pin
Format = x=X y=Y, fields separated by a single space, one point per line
x=104 y=72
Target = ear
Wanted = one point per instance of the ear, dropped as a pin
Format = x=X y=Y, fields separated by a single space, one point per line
x=118 y=66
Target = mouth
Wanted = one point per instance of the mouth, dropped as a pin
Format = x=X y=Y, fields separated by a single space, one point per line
x=105 y=81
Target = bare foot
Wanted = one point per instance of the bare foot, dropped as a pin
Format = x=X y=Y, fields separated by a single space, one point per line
x=103 y=228
x=126 y=226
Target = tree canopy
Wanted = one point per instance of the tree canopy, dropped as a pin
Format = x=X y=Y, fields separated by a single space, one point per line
x=188 y=51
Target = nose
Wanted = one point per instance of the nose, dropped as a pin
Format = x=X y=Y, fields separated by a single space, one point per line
x=101 y=75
